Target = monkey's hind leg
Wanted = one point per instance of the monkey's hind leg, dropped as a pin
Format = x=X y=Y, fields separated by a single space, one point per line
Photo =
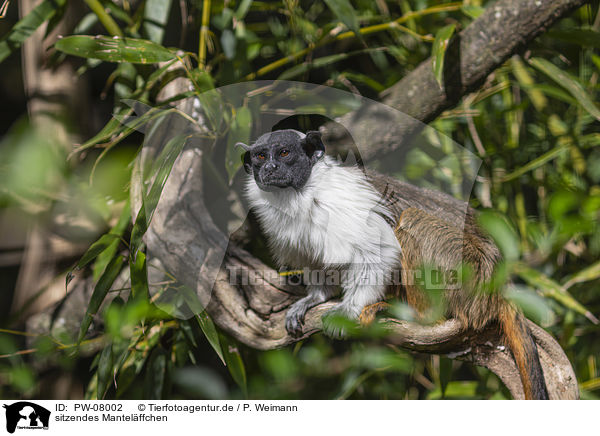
x=368 y=314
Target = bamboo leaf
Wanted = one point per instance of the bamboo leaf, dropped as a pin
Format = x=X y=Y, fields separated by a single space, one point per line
x=536 y=163
x=139 y=277
x=445 y=373
x=592 y=272
x=210 y=331
x=344 y=12
x=322 y=62
x=100 y=291
x=240 y=131
x=105 y=256
x=363 y=78
x=200 y=382
x=438 y=51
x=105 y=371
x=579 y=37
x=95 y=249
x=156 y=372
x=502 y=233
x=161 y=169
x=28 y=25
x=568 y=82
x=552 y=289
x=228 y=42
x=115 y=49
x=243 y=9
x=456 y=390
x=472 y=11
x=204 y=322
x=534 y=306
x=526 y=81
x=234 y=362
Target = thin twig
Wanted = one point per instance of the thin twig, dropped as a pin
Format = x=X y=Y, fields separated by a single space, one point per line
x=203 y=34
x=107 y=21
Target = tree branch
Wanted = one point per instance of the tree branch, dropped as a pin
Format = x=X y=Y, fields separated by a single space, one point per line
x=503 y=30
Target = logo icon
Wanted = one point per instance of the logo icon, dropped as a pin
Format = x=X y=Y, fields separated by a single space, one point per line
x=26 y=415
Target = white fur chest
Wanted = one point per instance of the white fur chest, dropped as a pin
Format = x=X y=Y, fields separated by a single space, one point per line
x=337 y=219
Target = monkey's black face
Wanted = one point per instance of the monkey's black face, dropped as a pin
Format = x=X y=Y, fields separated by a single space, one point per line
x=283 y=159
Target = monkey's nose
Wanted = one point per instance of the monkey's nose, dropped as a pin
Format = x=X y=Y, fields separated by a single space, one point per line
x=270 y=166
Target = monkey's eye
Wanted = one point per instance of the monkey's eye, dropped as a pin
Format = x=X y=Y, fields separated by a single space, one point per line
x=284 y=152
x=261 y=156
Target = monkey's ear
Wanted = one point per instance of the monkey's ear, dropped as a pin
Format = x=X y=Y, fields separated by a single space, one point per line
x=247 y=162
x=245 y=157
x=313 y=146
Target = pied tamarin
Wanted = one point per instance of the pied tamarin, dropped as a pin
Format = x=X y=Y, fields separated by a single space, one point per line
x=320 y=215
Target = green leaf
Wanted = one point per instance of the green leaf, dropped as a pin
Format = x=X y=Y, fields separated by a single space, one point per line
x=139 y=277
x=210 y=331
x=592 y=272
x=234 y=362
x=28 y=25
x=113 y=127
x=204 y=322
x=105 y=256
x=156 y=372
x=502 y=233
x=456 y=390
x=228 y=43
x=344 y=12
x=568 y=82
x=200 y=383
x=534 y=306
x=240 y=131
x=21 y=378
x=472 y=11
x=445 y=373
x=161 y=168
x=322 y=61
x=363 y=78
x=438 y=51
x=95 y=249
x=115 y=49
x=105 y=371
x=579 y=37
x=548 y=287
x=526 y=81
x=243 y=9
x=536 y=163
x=100 y=291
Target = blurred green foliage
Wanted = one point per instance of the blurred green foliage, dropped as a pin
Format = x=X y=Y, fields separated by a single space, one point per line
x=534 y=124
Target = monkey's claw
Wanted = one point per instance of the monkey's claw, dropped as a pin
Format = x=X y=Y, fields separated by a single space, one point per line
x=294 y=321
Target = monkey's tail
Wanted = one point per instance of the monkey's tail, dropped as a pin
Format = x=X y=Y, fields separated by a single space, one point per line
x=524 y=350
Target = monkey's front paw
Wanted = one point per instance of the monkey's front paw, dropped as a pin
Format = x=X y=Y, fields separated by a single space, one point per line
x=294 y=320
x=338 y=323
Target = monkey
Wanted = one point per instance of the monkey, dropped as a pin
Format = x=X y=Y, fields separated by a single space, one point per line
x=320 y=215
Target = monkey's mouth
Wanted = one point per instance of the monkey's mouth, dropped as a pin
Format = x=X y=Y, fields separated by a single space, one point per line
x=272 y=184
